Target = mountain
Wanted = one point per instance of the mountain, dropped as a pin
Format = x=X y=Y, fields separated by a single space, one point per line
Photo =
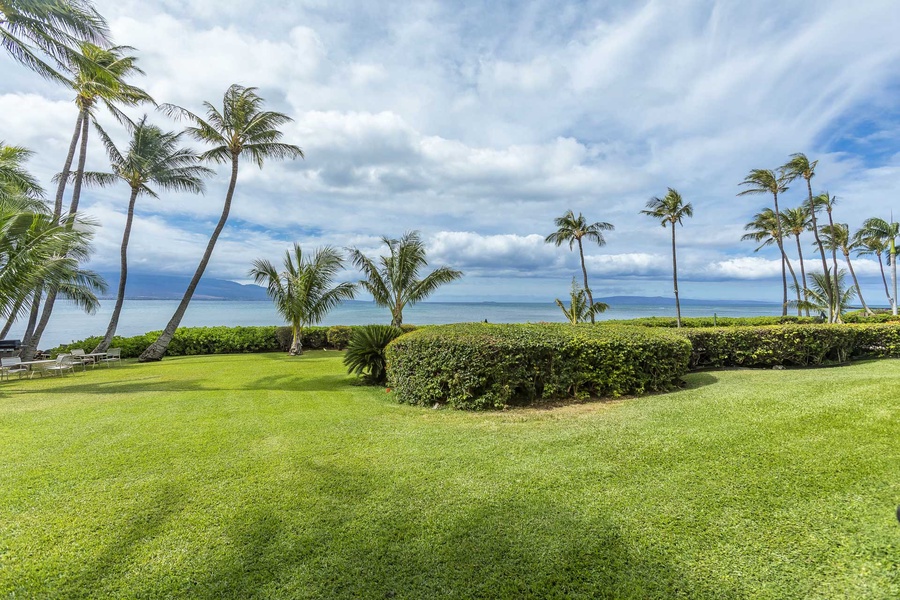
x=171 y=287
x=670 y=300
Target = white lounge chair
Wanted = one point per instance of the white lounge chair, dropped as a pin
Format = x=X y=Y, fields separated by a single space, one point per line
x=64 y=362
x=12 y=364
x=113 y=355
x=79 y=358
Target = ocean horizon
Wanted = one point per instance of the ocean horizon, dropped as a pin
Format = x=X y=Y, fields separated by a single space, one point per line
x=68 y=323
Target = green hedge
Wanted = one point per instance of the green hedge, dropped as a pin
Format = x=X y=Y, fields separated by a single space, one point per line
x=478 y=366
x=790 y=345
x=694 y=322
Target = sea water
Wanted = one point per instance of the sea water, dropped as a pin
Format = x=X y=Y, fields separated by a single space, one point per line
x=69 y=323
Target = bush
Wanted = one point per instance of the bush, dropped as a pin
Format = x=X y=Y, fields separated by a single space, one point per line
x=339 y=336
x=365 y=353
x=479 y=366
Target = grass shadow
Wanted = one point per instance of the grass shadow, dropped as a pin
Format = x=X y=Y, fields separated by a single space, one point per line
x=695 y=381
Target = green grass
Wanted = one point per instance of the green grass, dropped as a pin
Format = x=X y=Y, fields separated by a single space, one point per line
x=262 y=476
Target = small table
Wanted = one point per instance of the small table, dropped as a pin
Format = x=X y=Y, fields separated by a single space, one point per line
x=36 y=363
x=94 y=356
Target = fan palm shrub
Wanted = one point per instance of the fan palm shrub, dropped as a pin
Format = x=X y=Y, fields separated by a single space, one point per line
x=365 y=354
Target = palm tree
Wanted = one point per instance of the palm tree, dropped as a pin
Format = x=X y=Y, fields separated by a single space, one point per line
x=887 y=232
x=795 y=221
x=670 y=210
x=765 y=229
x=837 y=237
x=242 y=127
x=101 y=80
x=827 y=202
x=395 y=283
x=16 y=183
x=764 y=181
x=304 y=292
x=821 y=293
x=579 y=310
x=153 y=157
x=800 y=166
x=572 y=229
x=867 y=245
x=32 y=28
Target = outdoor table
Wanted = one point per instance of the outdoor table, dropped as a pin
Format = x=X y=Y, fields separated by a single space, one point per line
x=94 y=356
x=33 y=363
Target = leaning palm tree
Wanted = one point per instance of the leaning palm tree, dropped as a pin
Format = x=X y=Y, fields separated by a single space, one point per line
x=573 y=229
x=16 y=183
x=304 y=292
x=765 y=181
x=241 y=128
x=101 y=80
x=887 y=232
x=872 y=246
x=765 y=229
x=44 y=35
x=670 y=210
x=395 y=283
x=794 y=221
x=800 y=166
x=153 y=157
x=579 y=310
x=837 y=237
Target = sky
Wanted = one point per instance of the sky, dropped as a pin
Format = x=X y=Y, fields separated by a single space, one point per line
x=478 y=123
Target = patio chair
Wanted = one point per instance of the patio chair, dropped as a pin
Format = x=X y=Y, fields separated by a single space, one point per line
x=64 y=362
x=79 y=358
x=113 y=355
x=12 y=364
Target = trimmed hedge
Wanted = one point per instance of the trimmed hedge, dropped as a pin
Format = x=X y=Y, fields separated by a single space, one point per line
x=790 y=345
x=480 y=366
x=693 y=322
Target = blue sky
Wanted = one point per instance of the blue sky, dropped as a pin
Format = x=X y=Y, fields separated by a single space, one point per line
x=477 y=123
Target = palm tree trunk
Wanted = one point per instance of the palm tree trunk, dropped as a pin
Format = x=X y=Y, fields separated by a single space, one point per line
x=862 y=301
x=33 y=315
x=586 y=287
x=397 y=315
x=296 y=342
x=815 y=228
x=12 y=317
x=887 y=292
x=803 y=274
x=103 y=346
x=67 y=166
x=796 y=285
x=675 y=280
x=29 y=350
x=834 y=286
x=157 y=349
x=893 y=251
x=784 y=301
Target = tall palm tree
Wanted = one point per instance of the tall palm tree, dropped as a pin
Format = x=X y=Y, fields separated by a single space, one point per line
x=795 y=221
x=827 y=201
x=241 y=128
x=837 y=237
x=765 y=181
x=101 y=80
x=153 y=157
x=867 y=245
x=573 y=229
x=395 y=283
x=670 y=210
x=888 y=232
x=765 y=229
x=800 y=166
x=304 y=292
x=579 y=310
x=33 y=31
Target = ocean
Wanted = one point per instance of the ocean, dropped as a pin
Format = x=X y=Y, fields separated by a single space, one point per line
x=68 y=323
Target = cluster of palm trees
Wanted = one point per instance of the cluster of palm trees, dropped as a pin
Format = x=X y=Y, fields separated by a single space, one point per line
x=822 y=291
x=67 y=41
x=304 y=292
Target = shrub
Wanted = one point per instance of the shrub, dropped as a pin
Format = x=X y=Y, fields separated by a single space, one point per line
x=365 y=353
x=478 y=366
x=693 y=322
x=339 y=336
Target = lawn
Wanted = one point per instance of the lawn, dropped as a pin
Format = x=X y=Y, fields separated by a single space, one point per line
x=264 y=476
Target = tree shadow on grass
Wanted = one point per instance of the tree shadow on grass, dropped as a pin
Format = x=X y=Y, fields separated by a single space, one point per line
x=129 y=386
x=695 y=381
x=364 y=541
